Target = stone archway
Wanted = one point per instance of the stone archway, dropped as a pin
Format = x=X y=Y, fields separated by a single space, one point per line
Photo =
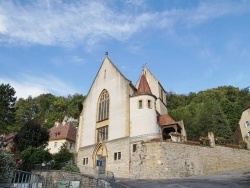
x=100 y=154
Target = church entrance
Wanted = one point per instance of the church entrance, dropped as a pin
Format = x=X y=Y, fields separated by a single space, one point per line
x=99 y=156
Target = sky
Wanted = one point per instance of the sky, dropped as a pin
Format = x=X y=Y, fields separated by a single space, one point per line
x=57 y=46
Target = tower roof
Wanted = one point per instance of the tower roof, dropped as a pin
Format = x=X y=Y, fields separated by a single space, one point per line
x=143 y=87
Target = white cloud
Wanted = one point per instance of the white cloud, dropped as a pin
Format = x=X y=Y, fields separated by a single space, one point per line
x=58 y=23
x=34 y=86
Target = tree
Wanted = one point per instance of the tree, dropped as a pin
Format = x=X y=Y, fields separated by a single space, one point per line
x=32 y=156
x=7 y=110
x=63 y=156
x=31 y=134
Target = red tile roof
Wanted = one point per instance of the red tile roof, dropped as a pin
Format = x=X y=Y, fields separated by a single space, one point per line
x=143 y=87
x=165 y=120
x=63 y=131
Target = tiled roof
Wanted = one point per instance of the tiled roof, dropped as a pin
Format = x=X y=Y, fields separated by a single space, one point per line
x=63 y=131
x=143 y=87
x=165 y=120
x=9 y=137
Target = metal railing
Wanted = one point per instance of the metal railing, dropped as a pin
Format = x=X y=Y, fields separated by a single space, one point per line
x=22 y=179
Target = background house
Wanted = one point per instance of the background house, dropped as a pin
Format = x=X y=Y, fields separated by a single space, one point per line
x=61 y=133
x=243 y=130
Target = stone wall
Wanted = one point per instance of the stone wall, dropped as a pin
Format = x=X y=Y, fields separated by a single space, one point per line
x=119 y=167
x=50 y=179
x=162 y=160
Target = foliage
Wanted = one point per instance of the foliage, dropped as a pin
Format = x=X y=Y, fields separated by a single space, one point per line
x=204 y=141
x=189 y=142
x=32 y=156
x=70 y=168
x=220 y=140
x=243 y=145
x=215 y=110
x=48 y=109
x=31 y=134
x=7 y=166
x=7 y=163
x=63 y=156
x=7 y=110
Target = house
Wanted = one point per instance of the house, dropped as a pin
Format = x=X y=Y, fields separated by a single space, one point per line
x=61 y=133
x=242 y=133
x=8 y=139
x=116 y=115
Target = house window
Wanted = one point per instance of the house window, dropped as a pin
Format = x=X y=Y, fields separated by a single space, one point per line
x=140 y=104
x=102 y=133
x=70 y=145
x=103 y=106
x=55 y=145
x=248 y=133
x=134 y=147
x=247 y=124
x=117 y=156
x=149 y=104
x=85 y=161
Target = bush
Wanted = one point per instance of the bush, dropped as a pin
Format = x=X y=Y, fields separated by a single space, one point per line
x=7 y=166
x=32 y=156
x=189 y=142
x=70 y=168
x=220 y=140
x=243 y=145
x=205 y=141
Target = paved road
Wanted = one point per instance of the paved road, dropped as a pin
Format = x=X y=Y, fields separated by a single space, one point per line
x=231 y=179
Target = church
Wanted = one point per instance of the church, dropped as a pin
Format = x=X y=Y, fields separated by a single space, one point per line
x=117 y=115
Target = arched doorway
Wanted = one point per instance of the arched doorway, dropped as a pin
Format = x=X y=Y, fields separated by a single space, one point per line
x=99 y=157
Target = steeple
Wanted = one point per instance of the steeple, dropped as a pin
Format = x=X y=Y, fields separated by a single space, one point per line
x=143 y=87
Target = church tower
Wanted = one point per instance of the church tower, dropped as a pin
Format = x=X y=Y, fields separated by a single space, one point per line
x=143 y=117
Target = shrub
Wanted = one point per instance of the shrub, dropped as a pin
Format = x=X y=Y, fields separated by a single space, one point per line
x=243 y=145
x=70 y=168
x=204 y=140
x=220 y=140
x=191 y=142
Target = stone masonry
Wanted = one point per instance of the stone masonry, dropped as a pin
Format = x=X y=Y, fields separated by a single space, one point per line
x=163 y=160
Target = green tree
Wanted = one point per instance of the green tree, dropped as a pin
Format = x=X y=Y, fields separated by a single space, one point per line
x=7 y=110
x=31 y=134
x=63 y=156
x=33 y=156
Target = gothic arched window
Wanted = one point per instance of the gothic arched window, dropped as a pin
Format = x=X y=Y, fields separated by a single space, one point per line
x=103 y=106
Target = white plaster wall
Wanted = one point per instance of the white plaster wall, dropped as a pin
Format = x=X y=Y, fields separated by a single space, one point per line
x=111 y=79
x=160 y=107
x=244 y=117
x=142 y=121
x=52 y=149
x=156 y=91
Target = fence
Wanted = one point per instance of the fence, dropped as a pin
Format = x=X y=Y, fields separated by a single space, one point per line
x=22 y=179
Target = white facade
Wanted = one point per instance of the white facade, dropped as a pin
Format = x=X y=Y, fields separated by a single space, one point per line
x=143 y=120
x=114 y=113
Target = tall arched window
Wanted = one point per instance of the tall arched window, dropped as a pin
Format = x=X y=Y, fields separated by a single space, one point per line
x=103 y=112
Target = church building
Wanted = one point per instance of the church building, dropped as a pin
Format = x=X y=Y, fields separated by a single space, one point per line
x=116 y=115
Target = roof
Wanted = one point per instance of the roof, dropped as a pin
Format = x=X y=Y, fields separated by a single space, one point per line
x=63 y=131
x=143 y=87
x=165 y=120
x=9 y=137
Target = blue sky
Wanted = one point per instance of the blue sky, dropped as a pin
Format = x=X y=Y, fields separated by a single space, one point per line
x=58 y=46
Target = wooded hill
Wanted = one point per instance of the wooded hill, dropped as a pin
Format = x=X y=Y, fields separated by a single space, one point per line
x=47 y=109
x=216 y=110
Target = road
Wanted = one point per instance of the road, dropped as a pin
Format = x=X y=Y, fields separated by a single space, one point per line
x=232 y=179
